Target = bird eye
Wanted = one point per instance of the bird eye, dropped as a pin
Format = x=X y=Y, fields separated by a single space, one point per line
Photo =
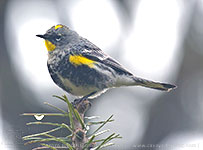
x=58 y=37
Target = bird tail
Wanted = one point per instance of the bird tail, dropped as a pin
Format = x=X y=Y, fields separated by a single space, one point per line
x=154 y=85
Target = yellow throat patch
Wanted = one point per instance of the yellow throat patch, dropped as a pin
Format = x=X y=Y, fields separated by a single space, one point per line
x=80 y=60
x=50 y=47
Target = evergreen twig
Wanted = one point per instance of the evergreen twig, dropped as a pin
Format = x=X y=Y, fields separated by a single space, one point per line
x=77 y=138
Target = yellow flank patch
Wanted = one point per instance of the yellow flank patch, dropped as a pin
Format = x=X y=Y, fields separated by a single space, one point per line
x=80 y=60
x=58 y=26
x=49 y=45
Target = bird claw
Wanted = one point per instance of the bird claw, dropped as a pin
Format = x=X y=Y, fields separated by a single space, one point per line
x=76 y=102
x=80 y=100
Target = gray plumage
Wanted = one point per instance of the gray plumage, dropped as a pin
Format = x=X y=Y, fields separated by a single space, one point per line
x=81 y=80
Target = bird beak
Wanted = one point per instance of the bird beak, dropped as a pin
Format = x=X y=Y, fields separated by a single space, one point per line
x=42 y=36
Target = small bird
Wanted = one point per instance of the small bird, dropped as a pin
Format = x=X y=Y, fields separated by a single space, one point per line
x=82 y=69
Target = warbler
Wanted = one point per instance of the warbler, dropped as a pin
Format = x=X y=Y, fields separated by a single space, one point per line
x=82 y=69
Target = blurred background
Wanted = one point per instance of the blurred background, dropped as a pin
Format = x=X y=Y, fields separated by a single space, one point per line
x=159 y=40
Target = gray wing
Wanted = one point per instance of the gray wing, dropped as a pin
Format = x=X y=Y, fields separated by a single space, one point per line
x=92 y=52
x=109 y=62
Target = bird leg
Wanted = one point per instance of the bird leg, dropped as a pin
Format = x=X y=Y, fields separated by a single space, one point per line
x=79 y=100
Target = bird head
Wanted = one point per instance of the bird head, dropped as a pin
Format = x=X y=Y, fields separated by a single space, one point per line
x=58 y=36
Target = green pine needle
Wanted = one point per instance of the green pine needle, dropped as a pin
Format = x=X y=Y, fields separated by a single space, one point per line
x=73 y=116
x=48 y=146
x=89 y=142
x=102 y=125
x=77 y=115
x=59 y=109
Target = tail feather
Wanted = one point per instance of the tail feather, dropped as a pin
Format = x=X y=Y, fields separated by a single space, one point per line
x=154 y=85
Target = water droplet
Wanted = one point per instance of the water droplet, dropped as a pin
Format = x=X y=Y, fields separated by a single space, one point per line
x=39 y=116
x=87 y=128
